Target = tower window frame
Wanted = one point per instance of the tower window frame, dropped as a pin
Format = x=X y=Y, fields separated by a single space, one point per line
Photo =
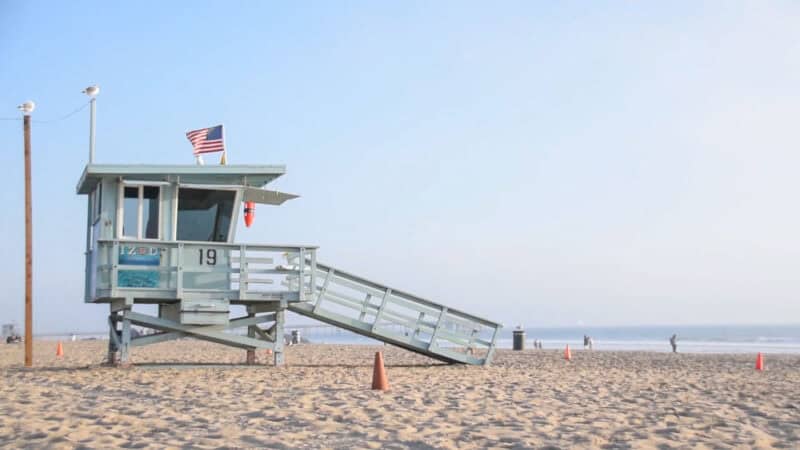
x=143 y=192
x=229 y=232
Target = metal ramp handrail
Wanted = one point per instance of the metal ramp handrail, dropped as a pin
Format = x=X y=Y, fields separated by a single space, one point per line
x=380 y=312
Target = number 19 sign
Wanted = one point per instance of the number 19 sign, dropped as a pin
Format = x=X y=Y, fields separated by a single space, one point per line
x=208 y=256
x=206 y=268
x=204 y=256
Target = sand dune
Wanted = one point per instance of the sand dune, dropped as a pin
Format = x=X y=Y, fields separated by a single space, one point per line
x=321 y=399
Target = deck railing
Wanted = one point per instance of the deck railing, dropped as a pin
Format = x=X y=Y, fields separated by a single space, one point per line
x=172 y=270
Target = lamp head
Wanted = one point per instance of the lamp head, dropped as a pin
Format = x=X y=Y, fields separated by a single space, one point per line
x=27 y=107
x=92 y=91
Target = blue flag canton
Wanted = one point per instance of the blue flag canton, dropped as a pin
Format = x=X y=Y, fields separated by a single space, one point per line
x=214 y=133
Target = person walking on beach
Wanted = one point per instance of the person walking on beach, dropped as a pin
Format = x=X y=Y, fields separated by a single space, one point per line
x=673 y=341
x=585 y=341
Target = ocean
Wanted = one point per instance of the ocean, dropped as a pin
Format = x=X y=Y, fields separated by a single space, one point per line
x=691 y=339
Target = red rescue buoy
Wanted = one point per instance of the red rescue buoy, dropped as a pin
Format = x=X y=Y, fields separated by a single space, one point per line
x=249 y=213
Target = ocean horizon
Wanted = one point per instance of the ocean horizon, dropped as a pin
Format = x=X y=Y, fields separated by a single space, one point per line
x=691 y=338
x=733 y=339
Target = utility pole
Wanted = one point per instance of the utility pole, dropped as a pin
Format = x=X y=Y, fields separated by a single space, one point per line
x=27 y=109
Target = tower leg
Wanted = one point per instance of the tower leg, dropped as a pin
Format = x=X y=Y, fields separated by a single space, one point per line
x=279 y=340
x=251 y=332
x=125 y=342
x=113 y=337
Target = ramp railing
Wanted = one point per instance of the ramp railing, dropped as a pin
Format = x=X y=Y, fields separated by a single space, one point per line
x=397 y=317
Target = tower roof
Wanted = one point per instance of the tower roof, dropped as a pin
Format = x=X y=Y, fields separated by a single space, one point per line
x=239 y=175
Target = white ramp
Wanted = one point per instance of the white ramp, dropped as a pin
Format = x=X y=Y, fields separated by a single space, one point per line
x=399 y=318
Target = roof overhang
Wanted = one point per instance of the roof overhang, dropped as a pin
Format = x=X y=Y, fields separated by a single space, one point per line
x=240 y=175
x=267 y=197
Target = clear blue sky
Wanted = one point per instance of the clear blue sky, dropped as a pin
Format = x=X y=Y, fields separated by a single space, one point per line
x=535 y=162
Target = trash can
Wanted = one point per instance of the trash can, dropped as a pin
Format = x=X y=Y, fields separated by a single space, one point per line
x=519 y=339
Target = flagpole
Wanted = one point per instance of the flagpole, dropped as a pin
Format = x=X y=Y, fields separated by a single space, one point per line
x=224 y=160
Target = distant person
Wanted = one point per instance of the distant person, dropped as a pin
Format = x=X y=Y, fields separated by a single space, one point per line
x=590 y=341
x=585 y=341
x=673 y=341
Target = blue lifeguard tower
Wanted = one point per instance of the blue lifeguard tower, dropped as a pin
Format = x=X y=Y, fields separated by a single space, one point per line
x=164 y=235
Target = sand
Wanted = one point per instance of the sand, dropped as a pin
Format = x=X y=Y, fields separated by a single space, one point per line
x=321 y=399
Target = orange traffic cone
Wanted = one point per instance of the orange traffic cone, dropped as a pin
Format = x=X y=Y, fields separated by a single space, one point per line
x=59 y=350
x=379 y=380
x=760 y=362
x=567 y=353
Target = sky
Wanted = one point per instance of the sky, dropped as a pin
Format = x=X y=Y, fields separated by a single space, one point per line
x=536 y=163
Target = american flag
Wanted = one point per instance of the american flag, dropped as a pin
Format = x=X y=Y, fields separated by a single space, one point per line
x=206 y=140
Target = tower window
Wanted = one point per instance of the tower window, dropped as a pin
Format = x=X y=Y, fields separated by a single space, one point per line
x=204 y=214
x=141 y=206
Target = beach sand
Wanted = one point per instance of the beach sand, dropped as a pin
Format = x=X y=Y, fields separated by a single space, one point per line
x=322 y=399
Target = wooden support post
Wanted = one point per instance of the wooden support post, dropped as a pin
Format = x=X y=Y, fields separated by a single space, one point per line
x=364 y=307
x=302 y=275
x=125 y=344
x=384 y=301
x=322 y=291
x=439 y=324
x=251 y=332
x=279 y=340
x=113 y=337
x=179 y=273
x=416 y=326
x=488 y=359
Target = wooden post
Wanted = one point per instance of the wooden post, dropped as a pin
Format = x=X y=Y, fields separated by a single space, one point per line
x=125 y=341
x=251 y=332
x=28 y=246
x=279 y=345
x=113 y=337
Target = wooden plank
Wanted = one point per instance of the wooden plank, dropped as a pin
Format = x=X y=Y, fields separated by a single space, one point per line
x=341 y=299
x=235 y=323
x=250 y=280
x=384 y=300
x=443 y=313
x=324 y=289
x=253 y=260
x=197 y=332
x=406 y=342
x=406 y=295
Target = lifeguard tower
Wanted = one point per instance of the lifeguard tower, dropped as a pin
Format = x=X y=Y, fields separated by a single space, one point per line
x=164 y=235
